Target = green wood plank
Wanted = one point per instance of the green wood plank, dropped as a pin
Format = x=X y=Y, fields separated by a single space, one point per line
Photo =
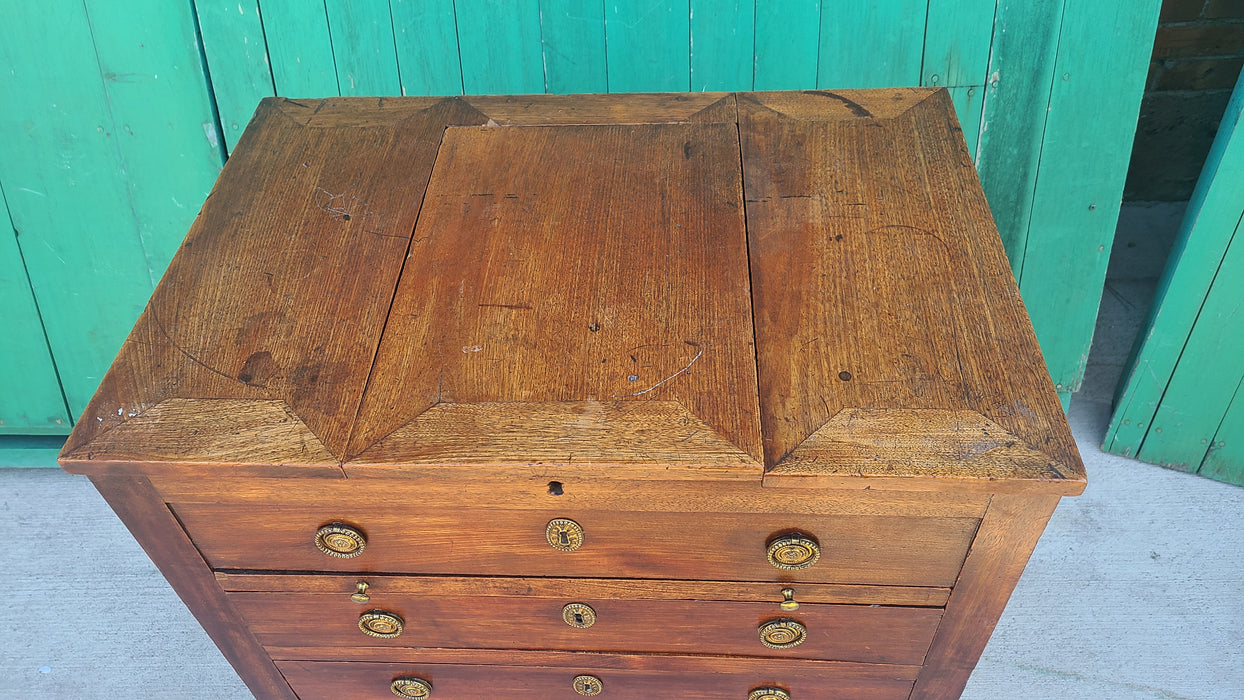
x=29 y=451
x=648 y=45
x=957 y=37
x=30 y=398
x=871 y=43
x=1017 y=94
x=1210 y=221
x=237 y=55
x=723 y=44
x=1103 y=55
x=573 y=35
x=363 y=47
x=788 y=36
x=1225 y=459
x=968 y=104
x=427 y=47
x=500 y=47
x=61 y=169
x=158 y=95
x=300 y=48
x=1207 y=373
x=1064 y=398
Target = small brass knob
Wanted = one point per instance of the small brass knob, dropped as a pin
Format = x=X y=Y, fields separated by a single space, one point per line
x=360 y=594
x=564 y=534
x=587 y=685
x=794 y=551
x=579 y=615
x=768 y=693
x=412 y=688
x=789 y=604
x=782 y=633
x=339 y=540
x=378 y=623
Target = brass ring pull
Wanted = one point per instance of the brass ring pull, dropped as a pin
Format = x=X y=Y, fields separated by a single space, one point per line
x=794 y=551
x=782 y=633
x=564 y=534
x=411 y=688
x=768 y=693
x=587 y=685
x=382 y=624
x=340 y=540
x=579 y=615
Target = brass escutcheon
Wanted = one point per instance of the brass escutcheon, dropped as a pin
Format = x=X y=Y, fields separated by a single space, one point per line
x=579 y=615
x=411 y=688
x=382 y=624
x=768 y=693
x=794 y=551
x=587 y=685
x=782 y=633
x=340 y=540
x=564 y=534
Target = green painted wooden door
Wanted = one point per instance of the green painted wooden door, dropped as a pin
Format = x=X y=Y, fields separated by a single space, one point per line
x=117 y=126
x=1180 y=404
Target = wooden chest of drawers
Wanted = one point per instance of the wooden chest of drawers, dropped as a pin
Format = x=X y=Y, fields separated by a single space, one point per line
x=693 y=396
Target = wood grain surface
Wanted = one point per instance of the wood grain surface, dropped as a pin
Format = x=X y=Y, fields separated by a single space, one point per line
x=879 y=283
x=647 y=589
x=694 y=679
x=255 y=305
x=579 y=293
x=591 y=264
x=409 y=538
x=871 y=634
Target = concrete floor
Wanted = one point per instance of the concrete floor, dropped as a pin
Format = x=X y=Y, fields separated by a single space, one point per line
x=1136 y=589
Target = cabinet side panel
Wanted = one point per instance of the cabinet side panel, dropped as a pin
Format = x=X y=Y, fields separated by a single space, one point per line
x=1003 y=544
x=142 y=510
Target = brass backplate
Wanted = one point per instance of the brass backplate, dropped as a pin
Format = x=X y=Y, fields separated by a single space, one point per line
x=768 y=693
x=782 y=633
x=793 y=552
x=411 y=688
x=579 y=615
x=382 y=624
x=587 y=685
x=564 y=534
x=340 y=540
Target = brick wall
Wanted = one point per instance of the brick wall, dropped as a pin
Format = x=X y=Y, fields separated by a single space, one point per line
x=1197 y=56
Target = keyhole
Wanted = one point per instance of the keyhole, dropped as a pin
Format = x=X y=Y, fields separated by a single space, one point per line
x=578 y=618
x=563 y=538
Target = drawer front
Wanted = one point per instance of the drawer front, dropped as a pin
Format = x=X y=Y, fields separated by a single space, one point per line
x=684 y=678
x=589 y=622
x=865 y=549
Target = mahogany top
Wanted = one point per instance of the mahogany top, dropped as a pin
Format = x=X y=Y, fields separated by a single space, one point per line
x=801 y=287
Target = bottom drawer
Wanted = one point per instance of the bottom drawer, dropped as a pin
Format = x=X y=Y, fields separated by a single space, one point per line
x=606 y=676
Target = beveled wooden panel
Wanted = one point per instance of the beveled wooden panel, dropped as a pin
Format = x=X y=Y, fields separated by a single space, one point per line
x=603 y=266
x=656 y=677
x=872 y=634
x=879 y=282
x=254 y=305
x=473 y=540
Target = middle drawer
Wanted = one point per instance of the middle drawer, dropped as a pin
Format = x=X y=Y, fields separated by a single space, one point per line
x=586 y=615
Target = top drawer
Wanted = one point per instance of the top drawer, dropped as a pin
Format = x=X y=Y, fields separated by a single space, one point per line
x=491 y=535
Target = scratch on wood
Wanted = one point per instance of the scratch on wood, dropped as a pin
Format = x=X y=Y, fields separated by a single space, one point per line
x=641 y=392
